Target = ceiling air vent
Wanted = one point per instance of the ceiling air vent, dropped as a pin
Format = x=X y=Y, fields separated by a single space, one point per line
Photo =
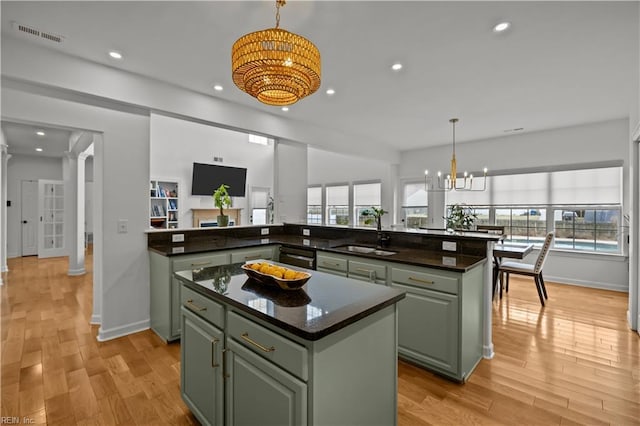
x=36 y=33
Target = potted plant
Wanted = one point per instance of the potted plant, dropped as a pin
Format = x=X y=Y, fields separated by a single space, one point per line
x=460 y=218
x=221 y=199
x=374 y=214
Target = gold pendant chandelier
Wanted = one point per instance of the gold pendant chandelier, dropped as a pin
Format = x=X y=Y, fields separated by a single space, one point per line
x=275 y=66
x=452 y=182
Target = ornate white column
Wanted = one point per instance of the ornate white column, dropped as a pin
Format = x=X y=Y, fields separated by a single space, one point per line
x=74 y=220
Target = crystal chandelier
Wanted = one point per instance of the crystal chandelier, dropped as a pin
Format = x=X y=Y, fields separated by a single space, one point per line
x=275 y=66
x=452 y=182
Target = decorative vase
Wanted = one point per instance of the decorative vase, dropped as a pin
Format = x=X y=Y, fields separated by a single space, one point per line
x=223 y=220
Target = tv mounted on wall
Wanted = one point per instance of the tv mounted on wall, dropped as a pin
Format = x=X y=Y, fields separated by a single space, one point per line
x=208 y=177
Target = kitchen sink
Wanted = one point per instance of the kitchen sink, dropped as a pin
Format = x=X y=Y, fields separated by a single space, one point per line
x=367 y=250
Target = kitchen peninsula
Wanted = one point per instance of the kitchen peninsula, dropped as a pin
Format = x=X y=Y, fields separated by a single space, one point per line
x=444 y=322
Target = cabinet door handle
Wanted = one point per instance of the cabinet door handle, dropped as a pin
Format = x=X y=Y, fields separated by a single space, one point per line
x=200 y=263
x=331 y=264
x=195 y=307
x=246 y=338
x=214 y=364
x=252 y=257
x=370 y=273
x=418 y=280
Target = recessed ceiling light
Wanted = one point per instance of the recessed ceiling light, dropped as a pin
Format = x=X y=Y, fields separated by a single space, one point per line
x=39 y=149
x=330 y=92
x=40 y=133
x=396 y=67
x=285 y=109
x=217 y=88
x=502 y=26
x=115 y=55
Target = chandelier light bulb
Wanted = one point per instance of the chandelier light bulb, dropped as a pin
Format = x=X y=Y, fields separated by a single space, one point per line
x=485 y=170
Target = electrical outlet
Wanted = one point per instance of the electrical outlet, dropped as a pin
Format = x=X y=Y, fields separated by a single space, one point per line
x=264 y=231
x=448 y=260
x=306 y=242
x=306 y=232
x=123 y=226
x=264 y=241
x=449 y=245
x=177 y=250
x=177 y=238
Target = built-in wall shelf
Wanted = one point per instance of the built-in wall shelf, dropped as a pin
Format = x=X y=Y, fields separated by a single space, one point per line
x=163 y=204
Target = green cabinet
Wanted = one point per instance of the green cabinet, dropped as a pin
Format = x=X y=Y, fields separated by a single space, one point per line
x=331 y=263
x=282 y=397
x=369 y=270
x=201 y=380
x=440 y=319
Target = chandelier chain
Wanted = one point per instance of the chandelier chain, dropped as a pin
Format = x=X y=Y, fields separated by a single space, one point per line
x=279 y=4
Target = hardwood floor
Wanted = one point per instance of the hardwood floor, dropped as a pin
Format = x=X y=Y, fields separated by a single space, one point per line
x=572 y=362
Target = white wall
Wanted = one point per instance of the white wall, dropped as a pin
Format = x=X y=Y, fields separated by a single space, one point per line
x=291 y=185
x=19 y=168
x=589 y=143
x=121 y=184
x=176 y=144
x=327 y=167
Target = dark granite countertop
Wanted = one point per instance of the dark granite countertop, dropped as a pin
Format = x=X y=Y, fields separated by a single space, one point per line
x=324 y=305
x=404 y=254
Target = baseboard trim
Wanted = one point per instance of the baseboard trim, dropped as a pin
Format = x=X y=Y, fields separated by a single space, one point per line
x=95 y=320
x=5 y=268
x=74 y=272
x=12 y=255
x=487 y=351
x=124 y=330
x=624 y=288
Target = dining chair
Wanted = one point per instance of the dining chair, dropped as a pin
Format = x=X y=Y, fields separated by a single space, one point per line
x=531 y=270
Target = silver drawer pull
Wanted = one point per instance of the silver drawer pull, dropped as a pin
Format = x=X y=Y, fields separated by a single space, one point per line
x=252 y=257
x=195 y=307
x=331 y=264
x=246 y=338
x=368 y=271
x=200 y=263
x=418 y=280
x=214 y=364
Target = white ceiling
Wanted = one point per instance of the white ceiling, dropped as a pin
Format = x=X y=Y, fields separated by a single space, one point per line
x=561 y=63
x=22 y=139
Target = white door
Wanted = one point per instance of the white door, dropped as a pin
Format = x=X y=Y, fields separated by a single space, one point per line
x=29 y=217
x=51 y=224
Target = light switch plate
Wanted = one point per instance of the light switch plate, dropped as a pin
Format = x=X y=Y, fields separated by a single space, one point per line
x=449 y=261
x=306 y=232
x=449 y=245
x=123 y=226
x=177 y=238
x=264 y=231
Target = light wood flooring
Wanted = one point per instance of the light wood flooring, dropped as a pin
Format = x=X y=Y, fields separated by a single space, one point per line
x=573 y=362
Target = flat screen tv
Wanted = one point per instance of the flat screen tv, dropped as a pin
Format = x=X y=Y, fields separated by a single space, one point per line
x=208 y=177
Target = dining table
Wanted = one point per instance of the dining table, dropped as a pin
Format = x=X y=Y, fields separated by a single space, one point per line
x=507 y=250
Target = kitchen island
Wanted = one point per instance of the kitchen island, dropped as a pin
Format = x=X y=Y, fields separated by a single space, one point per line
x=255 y=354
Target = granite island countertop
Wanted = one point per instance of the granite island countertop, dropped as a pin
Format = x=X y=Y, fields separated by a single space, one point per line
x=324 y=305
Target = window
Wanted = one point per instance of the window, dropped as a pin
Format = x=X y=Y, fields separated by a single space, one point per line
x=314 y=204
x=365 y=195
x=259 y=206
x=583 y=207
x=337 y=212
x=414 y=205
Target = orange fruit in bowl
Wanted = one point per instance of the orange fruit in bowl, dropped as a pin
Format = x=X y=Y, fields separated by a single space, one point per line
x=290 y=274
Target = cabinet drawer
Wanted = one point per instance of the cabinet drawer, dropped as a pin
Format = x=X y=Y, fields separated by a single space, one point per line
x=184 y=263
x=332 y=263
x=425 y=279
x=203 y=306
x=280 y=350
x=367 y=270
x=252 y=254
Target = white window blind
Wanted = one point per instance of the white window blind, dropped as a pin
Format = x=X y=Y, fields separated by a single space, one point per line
x=314 y=196
x=414 y=194
x=259 y=198
x=368 y=194
x=590 y=186
x=477 y=198
x=529 y=188
x=338 y=195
